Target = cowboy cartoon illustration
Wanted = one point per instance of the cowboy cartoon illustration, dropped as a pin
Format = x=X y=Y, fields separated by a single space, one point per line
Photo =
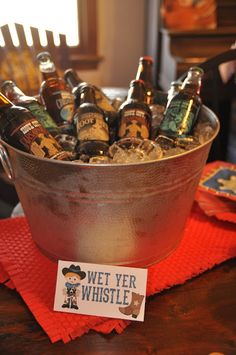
x=73 y=275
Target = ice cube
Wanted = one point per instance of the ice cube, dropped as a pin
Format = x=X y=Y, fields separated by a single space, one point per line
x=132 y=150
x=66 y=141
x=203 y=132
x=100 y=160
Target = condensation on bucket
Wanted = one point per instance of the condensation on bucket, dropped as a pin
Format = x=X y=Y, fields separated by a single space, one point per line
x=127 y=214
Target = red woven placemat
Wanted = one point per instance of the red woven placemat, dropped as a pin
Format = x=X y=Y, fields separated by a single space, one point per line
x=206 y=242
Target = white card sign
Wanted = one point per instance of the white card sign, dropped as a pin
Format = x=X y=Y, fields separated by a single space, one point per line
x=101 y=290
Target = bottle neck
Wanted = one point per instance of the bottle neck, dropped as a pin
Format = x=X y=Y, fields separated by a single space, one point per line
x=87 y=95
x=72 y=79
x=136 y=91
x=49 y=75
x=13 y=93
x=192 y=83
x=47 y=66
x=144 y=73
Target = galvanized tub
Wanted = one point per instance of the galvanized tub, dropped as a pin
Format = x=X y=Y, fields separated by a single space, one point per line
x=111 y=214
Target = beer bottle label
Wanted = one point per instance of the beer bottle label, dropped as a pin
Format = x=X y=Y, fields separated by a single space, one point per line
x=103 y=102
x=179 y=118
x=65 y=105
x=41 y=114
x=91 y=126
x=35 y=139
x=134 y=124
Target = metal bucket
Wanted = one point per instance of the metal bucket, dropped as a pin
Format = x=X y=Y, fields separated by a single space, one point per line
x=111 y=214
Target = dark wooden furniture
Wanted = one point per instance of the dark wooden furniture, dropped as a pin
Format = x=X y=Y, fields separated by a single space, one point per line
x=180 y=49
x=196 y=318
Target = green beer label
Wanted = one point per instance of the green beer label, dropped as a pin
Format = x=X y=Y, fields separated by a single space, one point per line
x=179 y=118
x=42 y=115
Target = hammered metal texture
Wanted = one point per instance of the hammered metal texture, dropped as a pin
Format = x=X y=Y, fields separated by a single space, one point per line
x=110 y=214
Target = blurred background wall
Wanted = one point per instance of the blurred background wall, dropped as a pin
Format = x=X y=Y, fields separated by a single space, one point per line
x=121 y=41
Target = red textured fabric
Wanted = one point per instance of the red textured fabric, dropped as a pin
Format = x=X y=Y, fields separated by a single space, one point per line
x=219 y=207
x=206 y=242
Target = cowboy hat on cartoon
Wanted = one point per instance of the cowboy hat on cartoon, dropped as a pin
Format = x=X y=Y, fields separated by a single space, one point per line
x=73 y=276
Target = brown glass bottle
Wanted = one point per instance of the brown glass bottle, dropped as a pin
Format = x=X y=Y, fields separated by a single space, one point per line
x=55 y=94
x=153 y=97
x=182 y=111
x=144 y=73
x=92 y=129
x=76 y=84
x=18 y=98
x=20 y=128
x=134 y=114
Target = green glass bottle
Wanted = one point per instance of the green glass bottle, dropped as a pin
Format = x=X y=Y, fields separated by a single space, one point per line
x=15 y=95
x=182 y=111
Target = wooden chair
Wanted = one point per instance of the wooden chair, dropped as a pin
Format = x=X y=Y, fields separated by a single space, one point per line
x=19 y=63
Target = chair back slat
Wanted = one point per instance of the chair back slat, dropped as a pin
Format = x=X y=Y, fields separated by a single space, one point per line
x=7 y=37
x=36 y=38
x=21 y=35
x=20 y=64
x=64 y=53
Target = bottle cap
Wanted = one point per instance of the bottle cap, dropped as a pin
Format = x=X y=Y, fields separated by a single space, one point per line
x=43 y=56
x=70 y=72
x=146 y=58
x=136 y=83
x=7 y=83
x=46 y=64
x=197 y=69
x=176 y=83
x=86 y=87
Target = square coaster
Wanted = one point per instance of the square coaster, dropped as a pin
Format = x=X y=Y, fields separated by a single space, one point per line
x=220 y=181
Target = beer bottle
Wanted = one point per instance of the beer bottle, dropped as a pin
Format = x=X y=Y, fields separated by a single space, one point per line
x=144 y=73
x=91 y=127
x=76 y=84
x=134 y=114
x=182 y=111
x=18 y=98
x=175 y=87
x=20 y=128
x=153 y=97
x=55 y=94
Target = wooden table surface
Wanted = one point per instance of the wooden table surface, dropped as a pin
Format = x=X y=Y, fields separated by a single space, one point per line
x=196 y=318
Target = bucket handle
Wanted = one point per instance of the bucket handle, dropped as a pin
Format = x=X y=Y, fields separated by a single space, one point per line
x=6 y=163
